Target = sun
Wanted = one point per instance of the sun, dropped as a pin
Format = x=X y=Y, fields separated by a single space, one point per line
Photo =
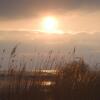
x=50 y=25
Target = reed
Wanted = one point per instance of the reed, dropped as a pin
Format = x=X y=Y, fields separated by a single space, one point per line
x=73 y=81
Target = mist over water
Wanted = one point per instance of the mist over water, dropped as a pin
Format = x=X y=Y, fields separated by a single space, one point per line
x=36 y=46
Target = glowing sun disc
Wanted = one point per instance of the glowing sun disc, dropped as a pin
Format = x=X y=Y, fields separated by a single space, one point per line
x=50 y=24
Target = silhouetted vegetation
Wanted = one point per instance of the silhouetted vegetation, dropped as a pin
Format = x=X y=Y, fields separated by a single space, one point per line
x=71 y=81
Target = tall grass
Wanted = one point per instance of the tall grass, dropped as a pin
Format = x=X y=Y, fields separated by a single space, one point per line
x=77 y=82
x=73 y=80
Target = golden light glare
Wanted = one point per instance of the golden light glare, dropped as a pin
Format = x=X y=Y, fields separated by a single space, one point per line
x=50 y=25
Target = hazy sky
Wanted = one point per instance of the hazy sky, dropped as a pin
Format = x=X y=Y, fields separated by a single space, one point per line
x=73 y=15
x=20 y=22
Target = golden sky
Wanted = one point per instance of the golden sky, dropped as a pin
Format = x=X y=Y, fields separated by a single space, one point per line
x=72 y=15
x=71 y=22
x=21 y=21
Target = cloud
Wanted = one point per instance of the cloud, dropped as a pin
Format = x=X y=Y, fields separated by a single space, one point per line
x=83 y=38
x=86 y=44
x=10 y=9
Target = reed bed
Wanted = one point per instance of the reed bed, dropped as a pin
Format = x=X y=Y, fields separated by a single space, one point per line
x=73 y=79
